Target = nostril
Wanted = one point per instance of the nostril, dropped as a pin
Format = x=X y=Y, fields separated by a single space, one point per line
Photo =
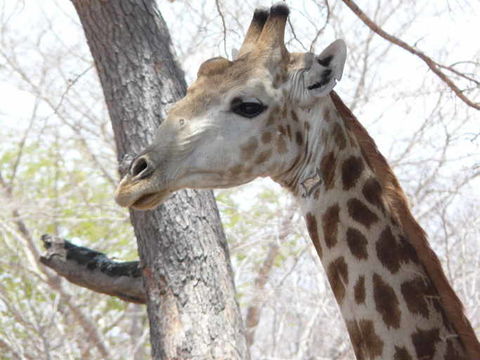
x=140 y=168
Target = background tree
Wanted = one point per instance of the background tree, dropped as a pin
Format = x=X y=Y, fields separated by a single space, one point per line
x=424 y=129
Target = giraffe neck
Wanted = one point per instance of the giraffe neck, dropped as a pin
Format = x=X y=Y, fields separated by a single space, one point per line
x=391 y=307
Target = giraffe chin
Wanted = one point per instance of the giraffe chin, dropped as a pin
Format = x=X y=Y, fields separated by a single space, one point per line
x=150 y=201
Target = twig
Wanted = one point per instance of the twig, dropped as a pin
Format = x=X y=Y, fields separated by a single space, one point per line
x=320 y=31
x=456 y=72
x=217 y=4
x=434 y=66
x=295 y=35
x=69 y=86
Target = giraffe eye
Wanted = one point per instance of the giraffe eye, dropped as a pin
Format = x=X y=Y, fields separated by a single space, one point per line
x=248 y=108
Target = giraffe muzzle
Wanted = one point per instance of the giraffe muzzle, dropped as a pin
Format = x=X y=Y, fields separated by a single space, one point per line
x=138 y=188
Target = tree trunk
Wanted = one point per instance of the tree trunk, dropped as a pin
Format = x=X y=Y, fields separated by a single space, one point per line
x=182 y=247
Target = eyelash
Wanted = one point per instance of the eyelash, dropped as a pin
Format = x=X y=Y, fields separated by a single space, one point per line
x=247 y=109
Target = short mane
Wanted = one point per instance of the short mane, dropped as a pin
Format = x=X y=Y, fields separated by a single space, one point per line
x=397 y=201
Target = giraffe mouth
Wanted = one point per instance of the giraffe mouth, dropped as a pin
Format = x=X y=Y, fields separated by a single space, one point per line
x=150 y=200
x=139 y=195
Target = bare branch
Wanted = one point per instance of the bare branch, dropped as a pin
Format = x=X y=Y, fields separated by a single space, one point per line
x=71 y=82
x=294 y=34
x=222 y=17
x=94 y=270
x=456 y=72
x=320 y=31
x=433 y=65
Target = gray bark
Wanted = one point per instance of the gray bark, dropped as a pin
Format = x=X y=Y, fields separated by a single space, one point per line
x=182 y=247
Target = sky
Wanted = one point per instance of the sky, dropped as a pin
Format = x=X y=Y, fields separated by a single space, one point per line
x=437 y=28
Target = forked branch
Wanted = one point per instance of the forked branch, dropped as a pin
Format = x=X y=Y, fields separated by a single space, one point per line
x=432 y=64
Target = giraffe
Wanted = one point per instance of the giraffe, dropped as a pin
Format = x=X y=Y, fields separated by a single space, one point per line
x=274 y=113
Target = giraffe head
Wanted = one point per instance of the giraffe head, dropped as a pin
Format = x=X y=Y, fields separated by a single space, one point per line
x=237 y=120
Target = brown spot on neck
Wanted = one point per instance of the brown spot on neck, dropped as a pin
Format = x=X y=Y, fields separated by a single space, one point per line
x=352 y=169
x=330 y=222
x=365 y=341
x=425 y=342
x=401 y=354
x=359 y=290
x=327 y=169
x=386 y=302
x=416 y=292
x=357 y=243
x=337 y=273
x=361 y=213
x=391 y=253
x=453 y=353
x=373 y=193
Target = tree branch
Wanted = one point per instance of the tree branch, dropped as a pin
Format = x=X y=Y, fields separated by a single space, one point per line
x=433 y=65
x=224 y=26
x=94 y=270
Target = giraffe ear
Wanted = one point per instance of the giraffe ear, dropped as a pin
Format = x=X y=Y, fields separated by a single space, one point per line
x=326 y=69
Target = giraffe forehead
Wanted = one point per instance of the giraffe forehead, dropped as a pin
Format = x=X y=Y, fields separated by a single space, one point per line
x=218 y=77
x=215 y=86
